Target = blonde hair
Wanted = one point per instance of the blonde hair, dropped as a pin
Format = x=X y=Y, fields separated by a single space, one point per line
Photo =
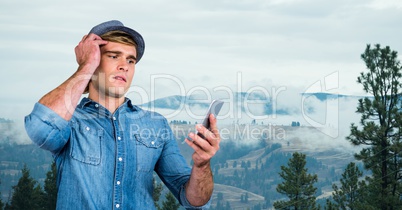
x=118 y=37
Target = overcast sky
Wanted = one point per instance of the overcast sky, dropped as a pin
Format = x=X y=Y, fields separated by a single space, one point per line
x=241 y=44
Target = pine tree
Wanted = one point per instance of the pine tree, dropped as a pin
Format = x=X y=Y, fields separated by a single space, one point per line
x=365 y=192
x=349 y=195
x=27 y=193
x=330 y=206
x=381 y=123
x=38 y=196
x=297 y=185
x=50 y=187
x=158 y=187
x=170 y=203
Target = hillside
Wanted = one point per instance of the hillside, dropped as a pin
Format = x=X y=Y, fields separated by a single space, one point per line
x=251 y=155
x=247 y=164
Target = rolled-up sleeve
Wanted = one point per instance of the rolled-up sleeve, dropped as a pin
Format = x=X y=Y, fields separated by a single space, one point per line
x=47 y=129
x=174 y=172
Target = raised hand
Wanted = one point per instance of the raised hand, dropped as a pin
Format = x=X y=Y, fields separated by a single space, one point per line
x=87 y=51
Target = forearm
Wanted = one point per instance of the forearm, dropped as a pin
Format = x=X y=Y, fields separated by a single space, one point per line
x=64 y=99
x=200 y=186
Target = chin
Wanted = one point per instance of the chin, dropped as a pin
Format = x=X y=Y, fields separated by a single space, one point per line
x=117 y=94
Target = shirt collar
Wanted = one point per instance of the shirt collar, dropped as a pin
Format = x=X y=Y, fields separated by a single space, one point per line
x=86 y=102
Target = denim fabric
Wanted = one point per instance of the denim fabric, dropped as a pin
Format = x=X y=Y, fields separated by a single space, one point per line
x=106 y=161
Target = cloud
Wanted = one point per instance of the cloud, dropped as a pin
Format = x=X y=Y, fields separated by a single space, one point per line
x=288 y=42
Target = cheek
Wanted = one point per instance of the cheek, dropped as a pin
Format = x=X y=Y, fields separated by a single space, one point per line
x=131 y=73
x=107 y=64
x=101 y=77
x=95 y=75
x=104 y=70
x=129 y=79
x=99 y=69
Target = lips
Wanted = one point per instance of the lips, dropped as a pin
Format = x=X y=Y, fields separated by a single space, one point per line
x=120 y=78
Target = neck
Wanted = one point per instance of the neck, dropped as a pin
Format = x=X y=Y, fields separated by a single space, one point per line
x=110 y=103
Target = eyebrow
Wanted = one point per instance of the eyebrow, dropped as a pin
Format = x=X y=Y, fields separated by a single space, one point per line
x=119 y=53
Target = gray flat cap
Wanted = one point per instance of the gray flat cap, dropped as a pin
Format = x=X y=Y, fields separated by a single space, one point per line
x=114 y=25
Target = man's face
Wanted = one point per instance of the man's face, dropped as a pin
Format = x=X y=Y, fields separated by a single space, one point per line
x=115 y=72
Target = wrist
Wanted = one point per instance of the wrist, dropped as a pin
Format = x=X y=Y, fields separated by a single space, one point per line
x=87 y=68
x=203 y=166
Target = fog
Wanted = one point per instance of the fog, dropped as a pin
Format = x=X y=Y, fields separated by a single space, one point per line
x=324 y=123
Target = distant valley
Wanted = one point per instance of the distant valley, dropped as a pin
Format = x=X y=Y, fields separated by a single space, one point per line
x=252 y=149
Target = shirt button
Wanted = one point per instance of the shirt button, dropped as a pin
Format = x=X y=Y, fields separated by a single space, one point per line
x=152 y=142
x=119 y=138
x=96 y=105
x=118 y=182
x=87 y=128
x=114 y=118
x=120 y=159
x=117 y=205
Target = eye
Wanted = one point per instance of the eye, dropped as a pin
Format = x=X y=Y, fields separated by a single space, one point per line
x=131 y=61
x=113 y=56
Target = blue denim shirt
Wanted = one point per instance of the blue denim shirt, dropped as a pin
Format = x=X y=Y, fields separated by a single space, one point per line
x=106 y=161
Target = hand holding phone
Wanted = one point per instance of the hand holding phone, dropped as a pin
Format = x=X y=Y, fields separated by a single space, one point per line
x=214 y=109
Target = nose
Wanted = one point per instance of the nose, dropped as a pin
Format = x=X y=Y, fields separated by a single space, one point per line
x=123 y=66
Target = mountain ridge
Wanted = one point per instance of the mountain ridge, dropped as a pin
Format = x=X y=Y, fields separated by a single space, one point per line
x=176 y=102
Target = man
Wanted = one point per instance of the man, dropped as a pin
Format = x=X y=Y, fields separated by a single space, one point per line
x=106 y=148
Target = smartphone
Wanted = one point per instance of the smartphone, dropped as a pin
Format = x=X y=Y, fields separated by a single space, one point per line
x=214 y=109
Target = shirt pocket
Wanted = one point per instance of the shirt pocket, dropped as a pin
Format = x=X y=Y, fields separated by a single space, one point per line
x=86 y=144
x=149 y=148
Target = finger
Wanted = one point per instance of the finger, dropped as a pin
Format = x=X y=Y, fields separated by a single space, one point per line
x=203 y=133
x=209 y=136
x=214 y=126
x=97 y=39
x=200 y=142
x=202 y=147
x=201 y=129
x=200 y=152
x=195 y=147
x=93 y=36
